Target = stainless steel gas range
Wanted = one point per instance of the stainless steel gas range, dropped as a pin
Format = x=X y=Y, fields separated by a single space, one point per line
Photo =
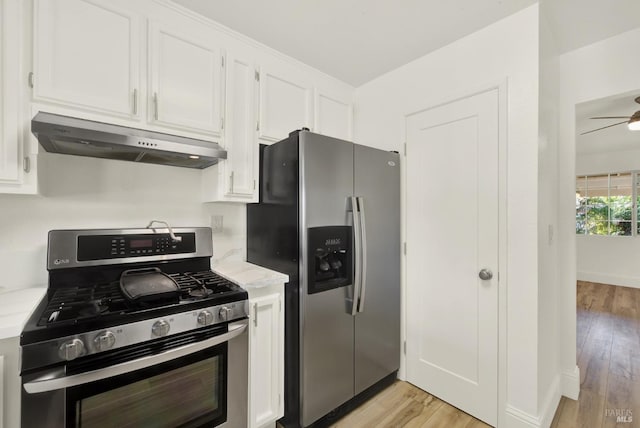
x=135 y=330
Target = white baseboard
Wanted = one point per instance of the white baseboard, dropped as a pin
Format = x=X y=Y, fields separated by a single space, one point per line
x=605 y=278
x=570 y=385
x=550 y=403
x=516 y=418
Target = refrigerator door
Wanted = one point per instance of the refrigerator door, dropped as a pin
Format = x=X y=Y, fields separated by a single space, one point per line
x=377 y=322
x=326 y=324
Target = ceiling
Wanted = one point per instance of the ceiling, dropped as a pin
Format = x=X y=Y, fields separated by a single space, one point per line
x=616 y=138
x=359 y=40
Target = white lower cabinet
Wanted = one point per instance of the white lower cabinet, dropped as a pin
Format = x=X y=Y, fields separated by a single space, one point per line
x=10 y=387
x=266 y=356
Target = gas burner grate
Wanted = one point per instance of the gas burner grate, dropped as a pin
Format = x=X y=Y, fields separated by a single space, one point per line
x=194 y=284
x=76 y=303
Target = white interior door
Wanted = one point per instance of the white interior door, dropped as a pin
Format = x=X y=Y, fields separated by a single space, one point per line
x=452 y=229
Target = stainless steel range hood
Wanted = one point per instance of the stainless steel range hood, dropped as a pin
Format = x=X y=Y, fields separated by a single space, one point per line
x=73 y=136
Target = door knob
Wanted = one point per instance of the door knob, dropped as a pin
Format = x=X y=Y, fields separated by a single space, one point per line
x=485 y=274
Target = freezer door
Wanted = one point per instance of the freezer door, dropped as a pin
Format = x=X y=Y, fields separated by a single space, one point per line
x=326 y=325
x=377 y=322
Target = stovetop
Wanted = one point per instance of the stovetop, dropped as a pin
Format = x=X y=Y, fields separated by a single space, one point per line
x=81 y=306
x=80 y=303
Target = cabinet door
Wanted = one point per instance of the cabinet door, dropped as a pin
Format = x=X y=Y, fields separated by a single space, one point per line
x=266 y=360
x=86 y=55
x=240 y=133
x=285 y=103
x=10 y=149
x=186 y=80
x=333 y=115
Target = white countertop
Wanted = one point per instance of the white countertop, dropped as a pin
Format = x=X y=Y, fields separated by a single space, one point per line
x=16 y=306
x=248 y=275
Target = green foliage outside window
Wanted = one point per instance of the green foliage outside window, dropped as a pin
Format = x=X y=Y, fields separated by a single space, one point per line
x=601 y=215
x=605 y=207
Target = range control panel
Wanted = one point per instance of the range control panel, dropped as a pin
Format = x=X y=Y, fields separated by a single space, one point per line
x=100 y=247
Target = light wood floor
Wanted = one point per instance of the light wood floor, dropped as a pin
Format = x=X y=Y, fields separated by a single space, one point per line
x=404 y=405
x=608 y=345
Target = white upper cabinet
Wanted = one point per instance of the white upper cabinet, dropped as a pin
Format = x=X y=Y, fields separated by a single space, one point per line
x=186 y=79
x=240 y=135
x=235 y=179
x=333 y=115
x=87 y=56
x=17 y=162
x=285 y=103
x=9 y=146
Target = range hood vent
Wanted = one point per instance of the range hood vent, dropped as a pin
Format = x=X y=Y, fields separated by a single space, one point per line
x=80 y=137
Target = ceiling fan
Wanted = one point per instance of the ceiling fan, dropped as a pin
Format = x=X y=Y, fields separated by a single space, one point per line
x=633 y=121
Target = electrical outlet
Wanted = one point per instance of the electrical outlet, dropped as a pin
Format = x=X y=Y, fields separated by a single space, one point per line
x=217 y=224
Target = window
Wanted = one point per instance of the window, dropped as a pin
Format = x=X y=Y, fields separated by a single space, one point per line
x=605 y=204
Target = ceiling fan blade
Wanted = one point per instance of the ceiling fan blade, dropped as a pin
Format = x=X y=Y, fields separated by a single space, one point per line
x=611 y=117
x=604 y=127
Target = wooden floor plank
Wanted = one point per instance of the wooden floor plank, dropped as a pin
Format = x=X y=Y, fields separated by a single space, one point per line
x=608 y=342
x=623 y=399
x=447 y=417
x=587 y=411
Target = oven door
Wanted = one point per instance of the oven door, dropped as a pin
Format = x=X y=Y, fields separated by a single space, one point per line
x=194 y=380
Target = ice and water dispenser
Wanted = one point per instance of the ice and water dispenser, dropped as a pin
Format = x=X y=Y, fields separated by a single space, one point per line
x=330 y=258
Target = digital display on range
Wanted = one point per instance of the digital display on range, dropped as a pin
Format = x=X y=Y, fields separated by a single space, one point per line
x=141 y=243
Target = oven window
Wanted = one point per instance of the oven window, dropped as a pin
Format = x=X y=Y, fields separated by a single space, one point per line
x=189 y=394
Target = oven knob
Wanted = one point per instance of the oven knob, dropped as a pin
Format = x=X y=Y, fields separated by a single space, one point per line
x=160 y=328
x=71 y=349
x=224 y=313
x=205 y=318
x=104 y=341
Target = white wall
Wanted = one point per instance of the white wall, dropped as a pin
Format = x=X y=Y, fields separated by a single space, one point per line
x=548 y=339
x=506 y=51
x=595 y=71
x=79 y=192
x=608 y=259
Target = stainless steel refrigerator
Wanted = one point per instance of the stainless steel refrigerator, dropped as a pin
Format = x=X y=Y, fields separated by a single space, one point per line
x=329 y=217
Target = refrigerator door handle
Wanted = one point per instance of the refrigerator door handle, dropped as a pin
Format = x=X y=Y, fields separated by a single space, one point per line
x=357 y=281
x=363 y=254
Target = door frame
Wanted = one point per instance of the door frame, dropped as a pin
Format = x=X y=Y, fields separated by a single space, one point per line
x=502 y=87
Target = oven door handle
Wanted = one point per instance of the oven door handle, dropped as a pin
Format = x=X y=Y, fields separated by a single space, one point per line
x=56 y=379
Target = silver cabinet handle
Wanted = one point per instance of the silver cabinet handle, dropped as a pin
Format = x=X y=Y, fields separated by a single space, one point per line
x=56 y=379
x=255 y=314
x=135 y=101
x=357 y=278
x=155 y=104
x=363 y=254
x=485 y=274
x=231 y=182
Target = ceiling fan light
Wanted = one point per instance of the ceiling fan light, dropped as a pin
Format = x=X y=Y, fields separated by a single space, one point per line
x=634 y=125
x=634 y=122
